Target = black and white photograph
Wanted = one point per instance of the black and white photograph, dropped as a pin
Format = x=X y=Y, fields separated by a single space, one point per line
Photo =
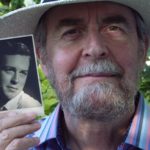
x=19 y=81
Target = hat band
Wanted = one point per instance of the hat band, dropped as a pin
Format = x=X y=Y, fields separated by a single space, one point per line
x=45 y=1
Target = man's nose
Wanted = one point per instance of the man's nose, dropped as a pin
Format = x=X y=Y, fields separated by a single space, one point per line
x=15 y=78
x=95 y=45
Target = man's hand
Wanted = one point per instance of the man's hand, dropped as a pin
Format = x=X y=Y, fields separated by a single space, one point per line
x=13 y=129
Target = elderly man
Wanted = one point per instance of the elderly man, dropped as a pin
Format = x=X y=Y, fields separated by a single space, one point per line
x=14 y=66
x=93 y=53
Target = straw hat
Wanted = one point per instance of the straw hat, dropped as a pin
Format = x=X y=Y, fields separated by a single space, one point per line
x=24 y=21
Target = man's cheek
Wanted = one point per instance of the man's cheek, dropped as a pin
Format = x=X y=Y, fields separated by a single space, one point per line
x=64 y=63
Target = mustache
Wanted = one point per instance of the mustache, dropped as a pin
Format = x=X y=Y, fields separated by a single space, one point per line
x=100 y=68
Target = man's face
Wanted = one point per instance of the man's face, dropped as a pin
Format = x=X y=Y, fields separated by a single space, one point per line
x=93 y=58
x=13 y=74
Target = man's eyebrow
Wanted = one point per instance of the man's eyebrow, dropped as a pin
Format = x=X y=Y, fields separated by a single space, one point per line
x=25 y=70
x=8 y=68
x=69 y=22
x=115 y=19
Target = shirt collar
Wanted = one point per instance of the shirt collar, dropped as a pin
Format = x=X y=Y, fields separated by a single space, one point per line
x=12 y=103
x=49 y=126
x=51 y=129
x=135 y=132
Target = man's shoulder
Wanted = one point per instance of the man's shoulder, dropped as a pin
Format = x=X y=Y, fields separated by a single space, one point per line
x=145 y=106
x=146 y=111
x=144 y=124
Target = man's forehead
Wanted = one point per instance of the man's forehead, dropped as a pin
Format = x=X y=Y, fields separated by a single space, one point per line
x=20 y=61
x=84 y=11
x=82 y=8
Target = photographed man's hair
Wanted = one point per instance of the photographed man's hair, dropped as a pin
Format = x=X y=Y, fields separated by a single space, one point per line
x=13 y=47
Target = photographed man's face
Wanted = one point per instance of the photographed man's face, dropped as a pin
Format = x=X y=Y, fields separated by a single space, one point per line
x=93 y=58
x=13 y=74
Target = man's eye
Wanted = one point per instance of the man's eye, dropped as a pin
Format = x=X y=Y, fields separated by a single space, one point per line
x=114 y=28
x=24 y=73
x=72 y=34
x=8 y=70
x=114 y=31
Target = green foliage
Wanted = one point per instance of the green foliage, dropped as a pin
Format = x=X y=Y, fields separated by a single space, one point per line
x=3 y=9
x=48 y=94
x=37 y=1
x=10 y=5
x=145 y=82
x=5 y=2
x=15 y=4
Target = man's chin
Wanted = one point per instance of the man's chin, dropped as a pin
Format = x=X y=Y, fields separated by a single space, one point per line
x=11 y=96
x=80 y=84
x=99 y=102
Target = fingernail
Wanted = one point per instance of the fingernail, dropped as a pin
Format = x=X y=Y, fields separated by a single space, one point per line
x=31 y=115
x=37 y=140
x=37 y=125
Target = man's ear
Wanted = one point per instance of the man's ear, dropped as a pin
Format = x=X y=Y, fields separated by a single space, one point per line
x=145 y=47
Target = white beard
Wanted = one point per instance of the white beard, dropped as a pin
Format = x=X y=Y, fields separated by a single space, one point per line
x=103 y=101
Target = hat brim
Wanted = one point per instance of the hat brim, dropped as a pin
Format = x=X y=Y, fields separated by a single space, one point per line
x=24 y=21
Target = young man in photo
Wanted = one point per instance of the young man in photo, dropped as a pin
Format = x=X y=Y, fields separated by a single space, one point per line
x=14 y=67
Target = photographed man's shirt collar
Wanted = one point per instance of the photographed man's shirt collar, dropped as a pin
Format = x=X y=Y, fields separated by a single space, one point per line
x=12 y=103
x=138 y=136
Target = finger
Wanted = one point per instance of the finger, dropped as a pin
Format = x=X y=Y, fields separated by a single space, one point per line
x=4 y=114
x=8 y=135
x=15 y=120
x=23 y=144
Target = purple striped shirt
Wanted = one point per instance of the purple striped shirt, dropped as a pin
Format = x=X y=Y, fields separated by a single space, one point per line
x=138 y=137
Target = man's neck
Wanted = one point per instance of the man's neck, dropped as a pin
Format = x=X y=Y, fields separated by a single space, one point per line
x=95 y=135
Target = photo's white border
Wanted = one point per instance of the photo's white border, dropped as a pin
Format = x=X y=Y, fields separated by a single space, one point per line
x=15 y=37
x=38 y=110
x=40 y=86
